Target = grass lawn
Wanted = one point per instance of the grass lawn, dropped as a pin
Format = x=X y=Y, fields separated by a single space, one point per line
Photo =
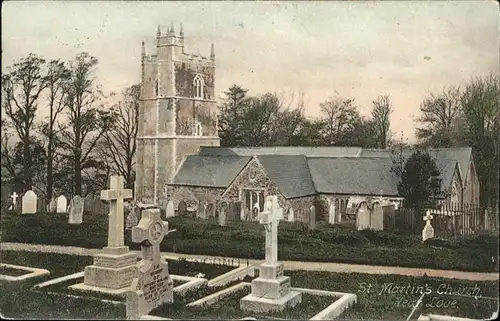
x=12 y=272
x=246 y=240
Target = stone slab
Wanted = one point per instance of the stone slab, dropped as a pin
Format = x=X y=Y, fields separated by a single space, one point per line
x=83 y=287
x=115 y=261
x=335 y=309
x=271 y=289
x=189 y=286
x=32 y=273
x=59 y=280
x=112 y=278
x=214 y=297
x=262 y=305
x=271 y=271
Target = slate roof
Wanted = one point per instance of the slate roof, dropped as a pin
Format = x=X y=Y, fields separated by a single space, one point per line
x=362 y=176
x=281 y=150
x=462 y=155
x=303 y=171
x=290 y=173
x=209 y=171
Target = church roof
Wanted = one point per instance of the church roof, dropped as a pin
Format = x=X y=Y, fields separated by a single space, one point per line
x=209 y=171
x=304 y=171
x=290 y=173
x=361 y=176
x=282 y=150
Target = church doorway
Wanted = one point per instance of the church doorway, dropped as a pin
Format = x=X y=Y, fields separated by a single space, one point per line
x=250 y=197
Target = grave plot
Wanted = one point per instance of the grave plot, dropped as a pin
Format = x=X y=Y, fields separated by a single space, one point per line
x=11 y=273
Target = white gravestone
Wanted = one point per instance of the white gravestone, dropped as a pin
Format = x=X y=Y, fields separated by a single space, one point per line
x=29 y=202
x=76 y=210
x=170 y=212
x=222 y=215
x=271 y=291
x=428 y=231
x=312 y=217
x=115 y=267
x=363 y=217
x=377 y=217
x=291 y=215
x=14 y=197
x=153 y=285
x=331 y=214
x=61 y=204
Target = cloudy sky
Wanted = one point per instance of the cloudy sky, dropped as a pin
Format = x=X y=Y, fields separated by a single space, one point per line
x=357 y=49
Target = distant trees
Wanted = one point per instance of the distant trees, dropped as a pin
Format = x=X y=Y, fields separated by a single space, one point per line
x=382 y=109
x=467 y=116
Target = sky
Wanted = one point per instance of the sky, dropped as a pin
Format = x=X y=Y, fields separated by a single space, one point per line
x=355 y=49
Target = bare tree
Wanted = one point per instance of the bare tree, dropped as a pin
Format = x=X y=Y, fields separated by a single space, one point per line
x=120 y=140
x=382 y=109
x=439 y=119
x=57 y=78
x=21 y=89
x=339 y=116
x=86 y=122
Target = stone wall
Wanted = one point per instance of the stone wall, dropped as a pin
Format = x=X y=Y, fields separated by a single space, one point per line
x=193 y=196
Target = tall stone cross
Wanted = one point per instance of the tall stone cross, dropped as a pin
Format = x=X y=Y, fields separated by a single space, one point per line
x=150 y=232
x=270 y=218
x=115 y=196
x=14 y=198
x=428 y=217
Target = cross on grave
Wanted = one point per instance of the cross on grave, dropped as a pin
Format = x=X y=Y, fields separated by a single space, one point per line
x=428 y=217
x=115 y=195
x=150 y=233
x=14 y=198
x=270 y=218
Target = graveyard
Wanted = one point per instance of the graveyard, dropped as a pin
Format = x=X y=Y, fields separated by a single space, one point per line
x=127 y=275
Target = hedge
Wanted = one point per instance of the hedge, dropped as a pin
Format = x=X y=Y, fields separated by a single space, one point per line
x=246 y=240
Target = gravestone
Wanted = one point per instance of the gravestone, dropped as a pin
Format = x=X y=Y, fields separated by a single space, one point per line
x=14 y=197
x=377 y=217
x=61 y=204
x=51 y=208
x=363 y=217
x=291 y=215
x=132 y=219
x=29 y=202
x=170 y=212
x=115 y=267
x=428 y=231
x=153 y=285
x=221 y=220
x=271 y=291
x=89 y=203
x=312 y=217
x=76 y=210
x=331 y=214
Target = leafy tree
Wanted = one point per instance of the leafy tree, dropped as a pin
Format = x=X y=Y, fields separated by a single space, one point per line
x=309 y=133
x=231 y=112
x=420 y=179
x=382 y=109
x=21 y=89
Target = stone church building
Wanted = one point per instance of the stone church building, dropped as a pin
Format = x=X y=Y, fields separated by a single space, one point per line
x=179 y=159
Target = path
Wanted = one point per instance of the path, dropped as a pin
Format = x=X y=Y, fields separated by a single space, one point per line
x=289 y=265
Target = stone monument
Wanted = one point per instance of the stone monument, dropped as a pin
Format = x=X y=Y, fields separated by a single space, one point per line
x=271 y=290
x=153 y=285
x=115 y=267
x=428 y=231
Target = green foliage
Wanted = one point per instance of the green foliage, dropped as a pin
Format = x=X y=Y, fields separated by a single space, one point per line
x=420 y=179
x=245 y=240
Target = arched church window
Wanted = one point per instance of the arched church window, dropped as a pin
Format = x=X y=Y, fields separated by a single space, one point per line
x=198 y=85
x=198 y=131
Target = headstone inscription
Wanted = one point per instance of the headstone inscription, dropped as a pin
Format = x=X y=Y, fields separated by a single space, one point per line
x=271 y=291
x=153 y=285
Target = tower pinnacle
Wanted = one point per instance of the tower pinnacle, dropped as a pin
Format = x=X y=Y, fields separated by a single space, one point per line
x=212 y=52
x=158 y=31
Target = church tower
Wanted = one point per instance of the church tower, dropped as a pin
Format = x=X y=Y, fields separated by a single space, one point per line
x=177 y=113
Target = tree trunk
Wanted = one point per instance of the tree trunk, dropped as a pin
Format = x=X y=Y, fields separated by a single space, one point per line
x=78 y=173
x=49 y=170
x=28 y=179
